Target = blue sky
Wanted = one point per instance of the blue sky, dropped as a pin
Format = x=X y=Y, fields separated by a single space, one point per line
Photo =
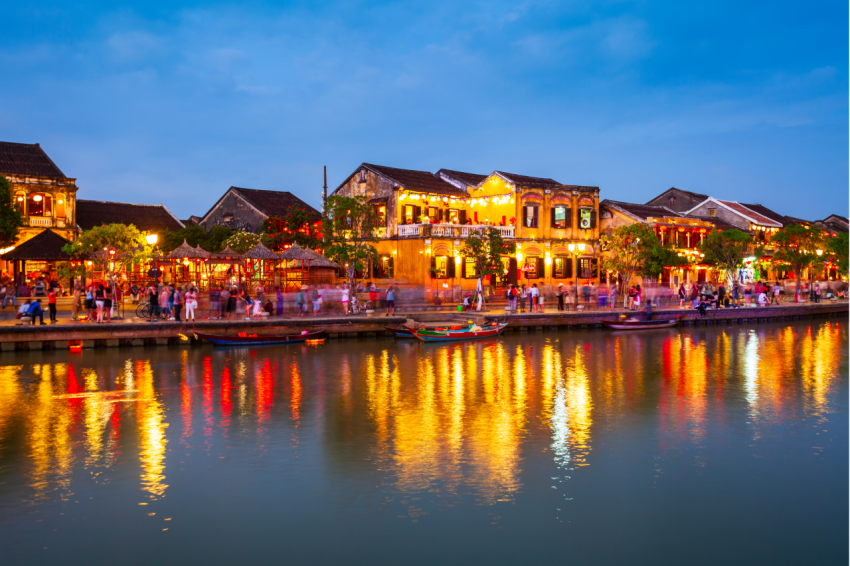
x=174 y=103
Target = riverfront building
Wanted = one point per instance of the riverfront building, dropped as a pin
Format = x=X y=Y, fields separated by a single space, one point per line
x=424 y=218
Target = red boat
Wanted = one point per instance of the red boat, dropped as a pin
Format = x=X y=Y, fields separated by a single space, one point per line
x=245 y=339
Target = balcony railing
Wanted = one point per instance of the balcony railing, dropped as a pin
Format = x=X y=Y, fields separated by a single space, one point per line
x=41 y=222
x=449 y=230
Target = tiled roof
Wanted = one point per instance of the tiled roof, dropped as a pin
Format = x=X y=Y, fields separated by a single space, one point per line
x=471 y=179
x=274 y=203
x=755 y=216
x=26 y=159
x=46 y=246
x=145 y=217
x=641 y=211
x=419 y=181
x=766 y=212
x=800 y=221
x=689 y=193
x=842 y=218
x=526 y=180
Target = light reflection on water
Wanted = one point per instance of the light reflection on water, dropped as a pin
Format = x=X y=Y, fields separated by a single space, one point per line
x=419 y=430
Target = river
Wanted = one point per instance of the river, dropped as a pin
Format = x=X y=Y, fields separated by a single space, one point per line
x=680 y=446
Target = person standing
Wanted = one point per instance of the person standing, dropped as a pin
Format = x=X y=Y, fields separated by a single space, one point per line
x=99 y=297
x=51 y=304
x=191 y=303
x=176 y=302
x=249 y=303
x=75 y=301
x=541 y=298
x=317 y=305
x=299 y=301
x=721 y=296
x=560 y=296
x=682 y=295
x=107 y=303
x=224 y=303
x=613 y=294
x=777 y=290
x=215 y=306
x=278 y=300
x=346 y=295
x=534 y=294
x=523 y=293
x=817 y=292
x=390 y=300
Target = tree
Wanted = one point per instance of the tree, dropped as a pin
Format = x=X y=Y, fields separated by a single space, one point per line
x=628 y=250
x=297 y=226
x=196 y=235
x=838 y=249
x=11 y=219
x=348 y=230
x=725 y=251
x=660 y=256
x=797 y=246
x=487 y=247
x=109 y=247
x=242 y=241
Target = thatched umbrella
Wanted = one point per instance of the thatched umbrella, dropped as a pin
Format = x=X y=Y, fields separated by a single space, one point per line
x=260 y=256
x=185 y=252
x=297 y=256
x=227 y=257
x=260 y=252
x=297 y=252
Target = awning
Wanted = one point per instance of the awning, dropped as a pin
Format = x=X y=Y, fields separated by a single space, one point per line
x=46 y=246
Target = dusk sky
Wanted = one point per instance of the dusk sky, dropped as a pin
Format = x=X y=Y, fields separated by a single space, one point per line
x=174 y=103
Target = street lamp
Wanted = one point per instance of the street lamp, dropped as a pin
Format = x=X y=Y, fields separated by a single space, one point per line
x=151 y=239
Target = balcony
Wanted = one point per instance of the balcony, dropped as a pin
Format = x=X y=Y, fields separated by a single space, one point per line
x=450 y=230
x=40 y=222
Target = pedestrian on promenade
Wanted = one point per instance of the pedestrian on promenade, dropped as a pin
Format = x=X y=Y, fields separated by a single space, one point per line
x=817 y=292
x=513 y=297
x=523 y=293
x=89 y=304
x=153 y=303
x=534 y=294
x=75 y=301
x=107 y=302
x=249 y=304
x=191 y=303
x=36 y=311
x=346 y=296
x=613 y=295
x=682 y=295
x=278 y=301
x=777 y=291
x=51 y=304
x=224 y=303
x=317 y=305
x=721 y=295
x=631 y=297
x=390 y=300
x=540 y=300
x=99 y=296
x=177 y=302
x=300 y=301
x=3 y=294
x=163 y=303
x=215 y=305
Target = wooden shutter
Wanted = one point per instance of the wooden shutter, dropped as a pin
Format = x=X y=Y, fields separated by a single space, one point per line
x=450 y=268
x=594 y=267
x=552 y=219
x=569 y=216
x=391 y=264
x=524 y=216
x=439 y=214
x=568 y=267
x=417 y=212
x=593 y=219
x=433 y=271
x=462 y=216
x=540 y=267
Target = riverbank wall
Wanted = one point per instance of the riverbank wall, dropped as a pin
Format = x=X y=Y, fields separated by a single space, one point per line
x=147 y=334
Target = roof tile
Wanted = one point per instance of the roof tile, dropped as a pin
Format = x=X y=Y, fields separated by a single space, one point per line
x=26 y=159
x=145 y=217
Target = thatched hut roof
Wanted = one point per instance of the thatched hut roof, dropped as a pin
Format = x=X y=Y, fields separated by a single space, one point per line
x=226 y=253
x=297 y=252
x=202 y=251
x=185 y=250
x=260 y=252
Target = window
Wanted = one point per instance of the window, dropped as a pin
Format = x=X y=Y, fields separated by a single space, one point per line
x=531 y=267
x=585 y=268
x=560 y=217
x=60 y=207
x=562 y=268
x=20 y=202
x=712 y=212
x=384 y=267
x=469 y=271
x=39 y=205
x=531 y=216
x=454 y=216
x=434 y=214
x=380 y=215
x=411 y=214
x=584 y=218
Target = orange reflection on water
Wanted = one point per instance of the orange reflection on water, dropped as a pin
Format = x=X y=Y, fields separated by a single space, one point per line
x=152 y=440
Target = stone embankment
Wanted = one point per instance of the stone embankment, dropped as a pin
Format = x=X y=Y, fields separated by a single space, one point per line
x=141 y=333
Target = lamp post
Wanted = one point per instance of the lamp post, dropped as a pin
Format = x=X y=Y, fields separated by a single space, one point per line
x=812 y=279
x=152 y=239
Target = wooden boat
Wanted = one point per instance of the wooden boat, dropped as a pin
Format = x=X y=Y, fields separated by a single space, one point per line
x=245 y=339
x=635 y=324
x=405 y=331
x=470 y=332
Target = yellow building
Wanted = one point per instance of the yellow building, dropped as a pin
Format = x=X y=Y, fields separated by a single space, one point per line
x=425 y=217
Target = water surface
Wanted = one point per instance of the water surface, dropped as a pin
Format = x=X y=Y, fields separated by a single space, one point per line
x=682 y=446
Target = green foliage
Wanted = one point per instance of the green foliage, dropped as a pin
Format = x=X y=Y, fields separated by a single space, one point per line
x=797 y=247
x=110 y=248
x=660 y=256
x=630 y=250
x=11 y=219
x=294 y=227
x=726 y=250
x=242 y=241
x=838 y=249
x=212 y=241
x=487 y=247
x=348 y=233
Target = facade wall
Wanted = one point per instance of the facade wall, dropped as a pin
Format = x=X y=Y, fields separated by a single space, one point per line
x=61 y=217
x=375 y=186
x=232 y=211
x=724 y=214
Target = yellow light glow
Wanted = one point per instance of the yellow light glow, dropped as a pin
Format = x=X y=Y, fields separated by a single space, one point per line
x=581 y=247
x=37 y=198
x=571 y=247
x=151 y=239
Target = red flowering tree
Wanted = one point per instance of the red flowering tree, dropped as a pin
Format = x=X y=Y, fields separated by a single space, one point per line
x=298 y=226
